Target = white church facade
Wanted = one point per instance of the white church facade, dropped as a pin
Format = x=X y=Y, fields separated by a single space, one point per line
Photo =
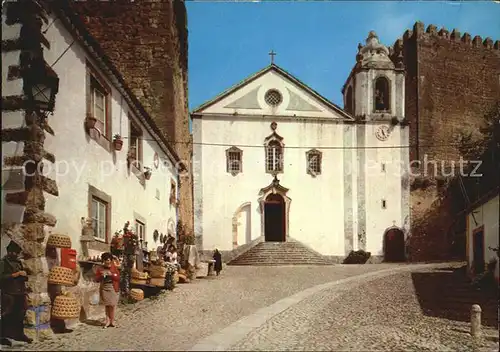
x=273 y=160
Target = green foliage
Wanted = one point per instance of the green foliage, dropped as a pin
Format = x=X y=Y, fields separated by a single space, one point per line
x=486 y=280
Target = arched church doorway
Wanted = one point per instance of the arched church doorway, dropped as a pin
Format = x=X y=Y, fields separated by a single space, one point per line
x=274 y=218
x=394 y=245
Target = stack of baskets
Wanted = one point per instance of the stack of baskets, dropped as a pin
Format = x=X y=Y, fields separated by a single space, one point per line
x=59 y=241
x=158 y=274
x=60 y=275
x=65 y=307
x=137 y=294
x=138 y=277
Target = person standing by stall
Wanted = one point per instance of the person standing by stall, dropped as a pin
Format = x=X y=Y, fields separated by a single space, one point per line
x=109 y=277
x=14 y=303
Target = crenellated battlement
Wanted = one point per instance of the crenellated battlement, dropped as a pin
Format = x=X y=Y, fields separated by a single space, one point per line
x=454 y=36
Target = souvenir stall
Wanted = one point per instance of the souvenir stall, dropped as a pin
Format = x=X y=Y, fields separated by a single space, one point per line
x=143 y=272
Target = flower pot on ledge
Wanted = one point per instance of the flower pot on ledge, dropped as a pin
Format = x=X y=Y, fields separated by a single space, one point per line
x=118 y=143
x=90 y=122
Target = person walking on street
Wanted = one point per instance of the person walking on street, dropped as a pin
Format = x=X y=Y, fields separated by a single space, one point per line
x=14 y=303
x=218 y=261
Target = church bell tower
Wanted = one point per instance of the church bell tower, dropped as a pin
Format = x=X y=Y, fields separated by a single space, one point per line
x=375 y=87
x=374 y=94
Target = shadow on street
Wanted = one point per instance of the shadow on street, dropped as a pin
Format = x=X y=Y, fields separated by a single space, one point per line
x=447 y=293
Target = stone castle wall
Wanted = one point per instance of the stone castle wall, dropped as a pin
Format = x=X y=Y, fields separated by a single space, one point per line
x=452 y=83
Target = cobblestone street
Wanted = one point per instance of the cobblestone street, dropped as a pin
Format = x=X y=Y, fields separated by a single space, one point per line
x=324 y=319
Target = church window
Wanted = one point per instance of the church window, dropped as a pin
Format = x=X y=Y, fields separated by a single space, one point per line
x=383 y=167
x=234 y=162
x=381 y=95
x=274 y=157
x=384 y=204
x=273 y=98
x=313 y=159
x=348 y=101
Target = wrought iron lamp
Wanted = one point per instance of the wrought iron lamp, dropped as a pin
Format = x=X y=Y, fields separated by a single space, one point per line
x=42 y=85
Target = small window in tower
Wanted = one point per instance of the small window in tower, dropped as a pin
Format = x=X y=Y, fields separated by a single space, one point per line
x=381 y=95
x=349 y=104
x=383 y=167
x=384 y=204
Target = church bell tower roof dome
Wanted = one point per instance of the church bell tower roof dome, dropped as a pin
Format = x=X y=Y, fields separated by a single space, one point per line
x=374 y=54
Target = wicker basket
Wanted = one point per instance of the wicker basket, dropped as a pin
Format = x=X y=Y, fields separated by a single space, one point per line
x=60 y=275
x=138 y=282
x=65 y=307
x=158 y=282
x=139 y=275
x=137 y=294
x=156 y=271
x=59 y=241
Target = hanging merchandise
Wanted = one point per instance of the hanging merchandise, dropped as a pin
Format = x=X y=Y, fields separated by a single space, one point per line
x=130 y=244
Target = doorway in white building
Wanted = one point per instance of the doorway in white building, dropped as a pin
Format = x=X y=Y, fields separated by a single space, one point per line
x=478 y=250
x=394 y=245
x=274 y=219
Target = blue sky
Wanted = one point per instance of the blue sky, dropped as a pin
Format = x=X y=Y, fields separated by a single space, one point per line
x=316 y=41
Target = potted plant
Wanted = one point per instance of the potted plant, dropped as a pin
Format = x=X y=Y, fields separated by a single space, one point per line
x=90 y=122
x=117 y=243
x=117 y=142
x=147 y=172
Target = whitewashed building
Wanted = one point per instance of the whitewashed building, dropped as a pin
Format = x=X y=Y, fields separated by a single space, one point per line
x=94 y=180
x=482 y=233
x=275 y=161
x=63 y=168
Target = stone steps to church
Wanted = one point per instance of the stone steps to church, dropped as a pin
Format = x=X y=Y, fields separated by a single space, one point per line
x=279 y=253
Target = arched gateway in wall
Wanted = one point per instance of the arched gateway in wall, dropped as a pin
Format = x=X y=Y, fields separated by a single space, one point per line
x=275 y=209
x=394 y=245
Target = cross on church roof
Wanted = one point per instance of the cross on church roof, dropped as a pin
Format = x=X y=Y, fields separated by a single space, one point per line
x=272 y=54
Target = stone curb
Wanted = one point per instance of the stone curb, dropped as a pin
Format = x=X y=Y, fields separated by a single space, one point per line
x=232 y=334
